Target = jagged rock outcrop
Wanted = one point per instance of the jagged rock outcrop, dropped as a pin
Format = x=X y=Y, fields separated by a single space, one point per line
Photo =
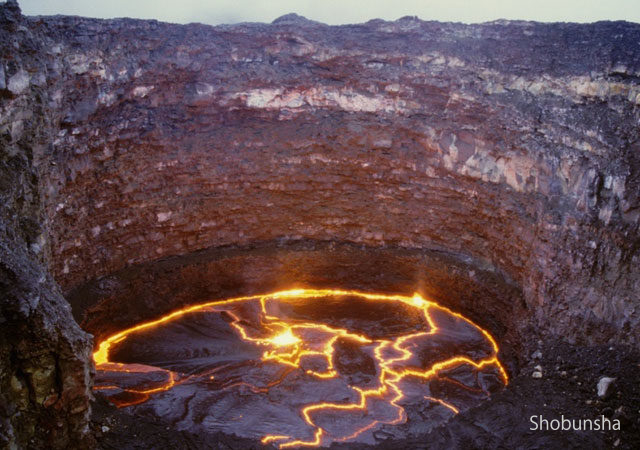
x=513 y=144
x=45 y=367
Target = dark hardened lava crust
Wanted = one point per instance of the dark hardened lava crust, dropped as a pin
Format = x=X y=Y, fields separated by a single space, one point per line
x=501 y=422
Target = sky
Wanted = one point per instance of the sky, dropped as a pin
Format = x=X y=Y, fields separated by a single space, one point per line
x=341 y=11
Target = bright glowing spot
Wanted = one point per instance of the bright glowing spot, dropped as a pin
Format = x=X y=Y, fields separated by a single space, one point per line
x=285 y=339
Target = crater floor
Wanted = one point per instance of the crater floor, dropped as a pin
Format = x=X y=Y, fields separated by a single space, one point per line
x=303 y=367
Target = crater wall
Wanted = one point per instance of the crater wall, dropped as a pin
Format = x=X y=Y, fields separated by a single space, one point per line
x=493 y=141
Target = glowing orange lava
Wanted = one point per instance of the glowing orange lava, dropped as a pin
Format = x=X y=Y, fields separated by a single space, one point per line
x=283 y=342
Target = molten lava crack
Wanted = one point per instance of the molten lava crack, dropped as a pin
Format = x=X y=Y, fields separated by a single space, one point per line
x=379 y=365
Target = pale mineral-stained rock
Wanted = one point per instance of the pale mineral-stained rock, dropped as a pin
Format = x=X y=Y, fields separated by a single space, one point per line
x=603 y=386
x=18 y=82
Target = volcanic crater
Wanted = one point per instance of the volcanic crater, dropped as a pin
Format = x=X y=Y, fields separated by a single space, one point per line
x=401 y=234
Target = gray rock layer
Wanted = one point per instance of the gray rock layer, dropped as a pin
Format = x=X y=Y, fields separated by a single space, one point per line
x=127 y=141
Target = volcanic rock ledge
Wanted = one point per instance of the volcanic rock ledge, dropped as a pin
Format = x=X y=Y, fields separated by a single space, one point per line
x=512 y=144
